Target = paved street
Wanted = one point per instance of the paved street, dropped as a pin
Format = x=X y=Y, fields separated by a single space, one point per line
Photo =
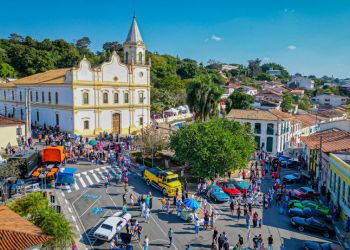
x=92 y=203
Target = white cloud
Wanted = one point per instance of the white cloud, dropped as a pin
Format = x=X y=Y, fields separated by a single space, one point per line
x=266 y=59
x=292 y=47
x=216 y=38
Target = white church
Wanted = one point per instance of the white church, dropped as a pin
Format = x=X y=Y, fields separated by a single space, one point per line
x=114 y=97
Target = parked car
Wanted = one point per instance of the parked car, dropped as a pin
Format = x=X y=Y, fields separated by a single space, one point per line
x=309 y=212
x=240 y=184
x=289 y=163
x=111 y=226
x=313 y=245
x=314 y=225
x=312 y=204
x=216 y=194
x=294 y=178
x=291 y=203
x=229 y=188
x=303 y=193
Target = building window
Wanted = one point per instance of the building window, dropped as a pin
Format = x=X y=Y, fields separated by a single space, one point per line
x=86 y=98
x=21 y=114
x=57 y=119
x=56 y=98
x=42 y=97
x=343 y=191
x=349 y=196
x=37 y=116
x=126 y=57
x=5 y=111
x=105 y=98
x=126 y=97
x=13 y=95
x=116 y=98
x=49 y=97
x=330 y=180
x=141 y=98
x=20 y=95
x=269 y=130
x=13 y=112
x=140 y=57
x=257 y=128
x=257 y=141
x=269 y=144
x=141 y=120
x=31 y=96
x=36 y=96
x=86 y=125
x=4 y=94
x=334 y=181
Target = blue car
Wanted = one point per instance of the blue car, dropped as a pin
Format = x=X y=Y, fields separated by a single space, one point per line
x=216 y=194
x=240 y=184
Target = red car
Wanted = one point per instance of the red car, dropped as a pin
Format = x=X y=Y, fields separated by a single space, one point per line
x=228 y=188
x=303 y=193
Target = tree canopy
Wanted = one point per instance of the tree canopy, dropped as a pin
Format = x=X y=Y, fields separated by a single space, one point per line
x=238 y=100
x=216 y=146
x=287 y=102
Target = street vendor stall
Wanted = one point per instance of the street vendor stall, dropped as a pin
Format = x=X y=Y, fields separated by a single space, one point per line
x=188 y=209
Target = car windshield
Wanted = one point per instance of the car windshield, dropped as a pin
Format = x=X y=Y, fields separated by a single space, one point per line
x=230 y=186
x=172 y=179
x=106 y=226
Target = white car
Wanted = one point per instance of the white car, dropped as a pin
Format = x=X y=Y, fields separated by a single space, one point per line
x=111 y=226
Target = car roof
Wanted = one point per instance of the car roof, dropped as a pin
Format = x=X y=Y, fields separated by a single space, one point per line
x=113 y=220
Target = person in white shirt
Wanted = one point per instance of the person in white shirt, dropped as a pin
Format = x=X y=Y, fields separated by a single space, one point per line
x=146 y=243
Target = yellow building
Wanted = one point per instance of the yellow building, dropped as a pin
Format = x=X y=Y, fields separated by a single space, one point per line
x=339 y=181
x=10 y=131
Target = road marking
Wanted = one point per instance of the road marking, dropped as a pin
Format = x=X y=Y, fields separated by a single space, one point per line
x=84 y=173
x=82 y=182
x=74 y=218
x=103 y=167
x=102 y=175
x=95 y=176
x=77 y=175
x=67 y=187
x=63 y=194
x=89 y=207
x=76 y=185
x=77 y=228
x=66 y=201
x=69 y=209
x=113 y=171
x=89 y=180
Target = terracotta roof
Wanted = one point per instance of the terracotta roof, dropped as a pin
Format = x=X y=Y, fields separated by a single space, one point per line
x=234 y=84
x=18 y=233
x=281 y=115
x=333 y=140
x=307 y=120
x=331 y=113
x=270 y=115
x=49 y=77
x=5 y=121
x=297 y=91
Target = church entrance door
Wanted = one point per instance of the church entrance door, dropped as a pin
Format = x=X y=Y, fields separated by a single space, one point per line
x=116 y=123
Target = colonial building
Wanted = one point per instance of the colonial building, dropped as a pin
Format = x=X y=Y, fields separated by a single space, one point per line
x=114 y=97
x=272 y=129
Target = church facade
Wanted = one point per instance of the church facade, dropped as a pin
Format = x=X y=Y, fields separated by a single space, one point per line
x=114 y=97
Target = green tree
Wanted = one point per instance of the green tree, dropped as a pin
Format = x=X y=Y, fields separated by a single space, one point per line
x=287 y=102
x=35 y=208
x=83 y=43
x=264 y=77
x=254 y=68
x=238 y=100
x=284 y=73
x=7 y=70
x=203 y=97
x=216 y=146
x=304 y=103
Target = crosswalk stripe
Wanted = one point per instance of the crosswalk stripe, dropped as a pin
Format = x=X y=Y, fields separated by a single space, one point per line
x=113 y=171
x=68 y=188
x=89 y=180
x=82 y=182
x=101 y=174
x=76 y=185
x=95 y=176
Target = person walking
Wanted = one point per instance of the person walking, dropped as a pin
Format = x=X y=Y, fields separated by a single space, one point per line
x=270 y=242
x=147 y=214
x=196 y=226
x=146 y=243
x=238 y=213
x=170 y=236
x=240 y=241
x=139 y=233
x=215 y=235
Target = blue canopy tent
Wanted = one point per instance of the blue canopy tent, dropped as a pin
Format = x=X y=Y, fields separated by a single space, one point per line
x=66 y=176
x=191 y=203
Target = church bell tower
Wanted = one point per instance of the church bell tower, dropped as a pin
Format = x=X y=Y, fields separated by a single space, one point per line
x=134 y=47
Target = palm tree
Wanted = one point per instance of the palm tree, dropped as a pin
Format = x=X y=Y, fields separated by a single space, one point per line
x=203 y=97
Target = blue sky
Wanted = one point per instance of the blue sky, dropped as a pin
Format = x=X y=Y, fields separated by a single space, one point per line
x=306 y=36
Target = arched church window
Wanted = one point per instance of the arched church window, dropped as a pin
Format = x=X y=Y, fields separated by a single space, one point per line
x=140 y=57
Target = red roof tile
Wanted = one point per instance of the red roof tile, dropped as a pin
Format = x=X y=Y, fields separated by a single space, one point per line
x=332 y=141
x=5 y=121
